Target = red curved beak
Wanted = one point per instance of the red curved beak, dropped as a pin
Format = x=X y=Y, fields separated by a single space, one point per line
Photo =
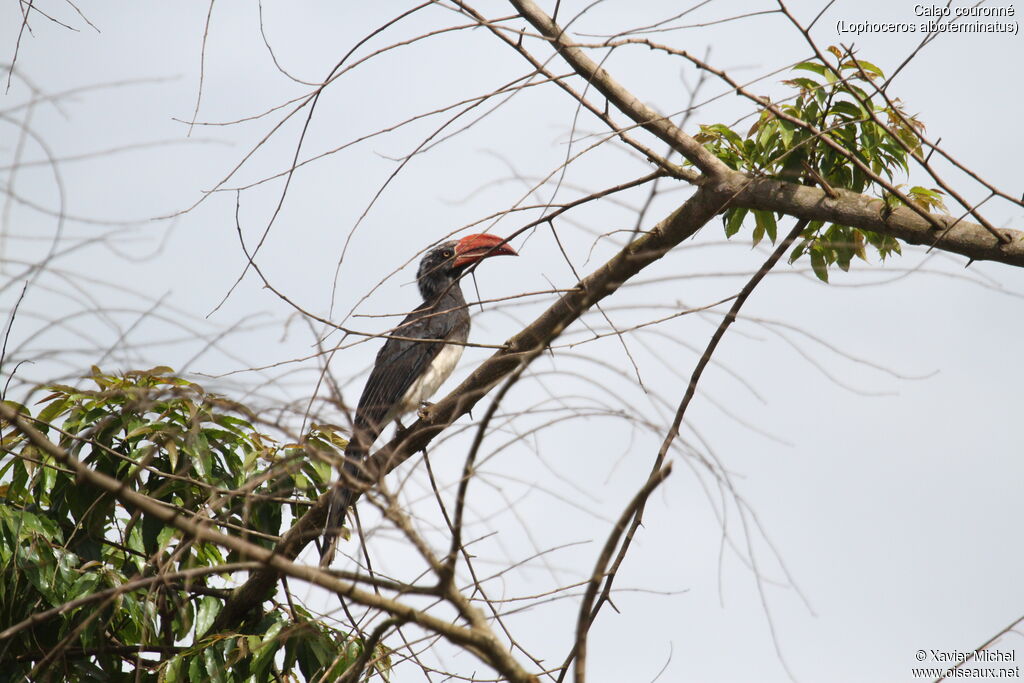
x=473 y=248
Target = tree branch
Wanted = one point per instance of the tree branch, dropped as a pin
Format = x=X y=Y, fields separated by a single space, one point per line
x=913 y=225
x=646 y=249
x=624 y=100
x=867 y=213
x=585 y=618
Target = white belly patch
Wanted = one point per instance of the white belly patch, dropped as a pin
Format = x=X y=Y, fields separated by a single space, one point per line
x=431 y=380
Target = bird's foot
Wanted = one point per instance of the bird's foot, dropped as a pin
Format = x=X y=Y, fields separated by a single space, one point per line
x=424 y=412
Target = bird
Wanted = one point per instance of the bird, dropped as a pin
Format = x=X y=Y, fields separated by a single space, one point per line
x=419 y=355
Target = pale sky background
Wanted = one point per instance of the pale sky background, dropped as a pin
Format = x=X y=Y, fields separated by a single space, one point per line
x=889 y=488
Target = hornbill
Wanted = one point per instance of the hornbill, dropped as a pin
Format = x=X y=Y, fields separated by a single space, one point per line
x=417 y=358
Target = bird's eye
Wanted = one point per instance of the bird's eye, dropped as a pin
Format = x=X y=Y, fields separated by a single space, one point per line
x=447 y=253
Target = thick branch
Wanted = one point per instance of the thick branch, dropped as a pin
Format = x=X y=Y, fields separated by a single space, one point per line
x=914 y=226
x=860 y=211
x=623 y=99
x=586 y=617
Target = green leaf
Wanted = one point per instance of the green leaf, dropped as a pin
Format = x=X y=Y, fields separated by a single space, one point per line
x=184 y=619
x=214 y=666
x=195 y=669
x=766 y=223
x=209 y=608
x=848 y=110
x=151 y=528
x=819 y=265
x=734 y=220
x=806 y=85
x=55 y=408
x=813 y=67
x=769 y=131
x=786 y=130
x=18 y=407
x=927 y=199
x=722 y=132
x=870 y=68
x=799 y=250
x=86 y=584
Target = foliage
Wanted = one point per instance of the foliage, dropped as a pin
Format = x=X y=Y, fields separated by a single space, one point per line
x=835 y=99
x=63 y=540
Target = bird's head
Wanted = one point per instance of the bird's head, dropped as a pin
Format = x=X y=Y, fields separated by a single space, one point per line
x=442 y=265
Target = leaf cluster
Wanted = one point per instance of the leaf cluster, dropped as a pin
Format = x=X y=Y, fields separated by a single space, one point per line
x=66 y=543
x=833 y=101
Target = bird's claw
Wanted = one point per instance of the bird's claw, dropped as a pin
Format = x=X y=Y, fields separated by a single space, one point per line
x=424 y=412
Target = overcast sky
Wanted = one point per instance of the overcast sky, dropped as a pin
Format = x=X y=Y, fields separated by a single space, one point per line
x=868 y=424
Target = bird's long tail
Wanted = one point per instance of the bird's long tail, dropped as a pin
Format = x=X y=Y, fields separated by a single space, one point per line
x=342 y=497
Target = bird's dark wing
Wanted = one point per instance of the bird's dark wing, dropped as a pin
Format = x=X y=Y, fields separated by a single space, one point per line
x=399 y=363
